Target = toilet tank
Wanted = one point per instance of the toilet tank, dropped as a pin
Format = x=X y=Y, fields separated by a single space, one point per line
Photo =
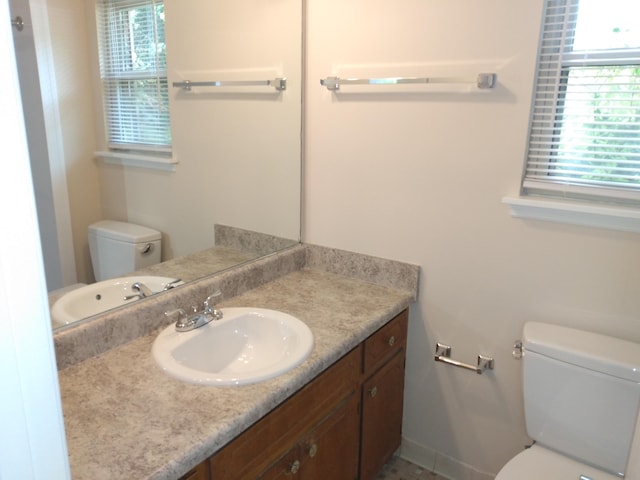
x=581 y=393
x=119 y=248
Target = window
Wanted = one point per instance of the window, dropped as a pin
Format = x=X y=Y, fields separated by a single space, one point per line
x=584 y=140
x=133 y=71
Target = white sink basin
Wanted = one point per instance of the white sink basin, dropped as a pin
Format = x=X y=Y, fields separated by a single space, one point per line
x=102 y=296
x=247 y=345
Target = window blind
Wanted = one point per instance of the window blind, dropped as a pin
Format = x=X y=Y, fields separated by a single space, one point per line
x=584 y=138
x=133 y=71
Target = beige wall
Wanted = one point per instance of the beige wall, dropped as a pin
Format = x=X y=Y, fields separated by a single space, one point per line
x=72 y=43
x=419 y=177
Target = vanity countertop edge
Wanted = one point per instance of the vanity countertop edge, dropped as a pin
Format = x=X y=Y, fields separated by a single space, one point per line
x=125 y=418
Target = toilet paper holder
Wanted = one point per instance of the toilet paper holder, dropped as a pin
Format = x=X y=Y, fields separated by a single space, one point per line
x=443 y=354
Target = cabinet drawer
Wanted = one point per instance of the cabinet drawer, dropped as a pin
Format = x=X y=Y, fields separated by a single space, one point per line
x=385 y=342
x=254 y=450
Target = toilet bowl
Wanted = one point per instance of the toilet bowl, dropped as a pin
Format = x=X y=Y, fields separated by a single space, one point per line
x=119 y=248
x=581 y=401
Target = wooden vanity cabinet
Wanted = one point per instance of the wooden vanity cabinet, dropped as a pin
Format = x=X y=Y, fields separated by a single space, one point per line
x=344 y=425
x=382 y=395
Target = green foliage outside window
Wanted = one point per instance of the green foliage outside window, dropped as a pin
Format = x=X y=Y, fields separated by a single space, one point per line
x=602 y=139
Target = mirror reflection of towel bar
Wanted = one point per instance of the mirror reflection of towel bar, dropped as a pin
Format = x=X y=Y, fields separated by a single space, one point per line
x=482 y=81
x=278 y=83
x=443 y=354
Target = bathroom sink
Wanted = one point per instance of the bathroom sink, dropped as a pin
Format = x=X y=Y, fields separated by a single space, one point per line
x=247 y=345
x=99 y=297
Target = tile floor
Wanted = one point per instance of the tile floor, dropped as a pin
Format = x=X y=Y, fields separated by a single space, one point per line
x=400 y=469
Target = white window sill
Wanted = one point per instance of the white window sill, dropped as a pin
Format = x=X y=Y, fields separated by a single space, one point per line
x=139 y=160
x=600 y=216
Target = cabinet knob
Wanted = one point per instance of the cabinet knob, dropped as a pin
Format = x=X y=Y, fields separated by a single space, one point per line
x=313 y=450
x=391 y=341
x=295 y=466
x=373 y=392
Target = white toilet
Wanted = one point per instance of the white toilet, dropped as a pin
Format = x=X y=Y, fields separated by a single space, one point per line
x=119 y=248
x=581 y=398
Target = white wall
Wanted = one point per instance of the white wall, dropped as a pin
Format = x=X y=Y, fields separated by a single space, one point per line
x=419 y=177
x=43 y=121
x=58 y=101
x=32 y=438
x=34 y=119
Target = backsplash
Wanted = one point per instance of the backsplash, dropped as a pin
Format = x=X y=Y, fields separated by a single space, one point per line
x=117 y=327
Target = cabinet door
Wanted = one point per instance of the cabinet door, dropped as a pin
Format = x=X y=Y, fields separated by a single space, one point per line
x=260 y=447
x=200 y=472
x=287 y=468
x=330 y=451
x=382 y=396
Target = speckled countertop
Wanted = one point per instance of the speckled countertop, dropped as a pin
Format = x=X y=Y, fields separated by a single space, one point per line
x=126 y=419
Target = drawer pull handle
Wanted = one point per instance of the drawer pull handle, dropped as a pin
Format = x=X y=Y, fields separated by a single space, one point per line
x=373 y=392
x=313 y=450
x=391 y=341
x=295 y=466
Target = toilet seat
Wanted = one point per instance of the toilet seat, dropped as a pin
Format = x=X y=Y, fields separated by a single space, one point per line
x=538 y=463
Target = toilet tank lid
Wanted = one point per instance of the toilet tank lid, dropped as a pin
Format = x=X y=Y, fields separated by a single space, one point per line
x=125 y=232
x=608 y=355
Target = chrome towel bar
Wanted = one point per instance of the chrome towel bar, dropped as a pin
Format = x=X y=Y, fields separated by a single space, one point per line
x=443 y=354
x=482 y=81
x=278 y=83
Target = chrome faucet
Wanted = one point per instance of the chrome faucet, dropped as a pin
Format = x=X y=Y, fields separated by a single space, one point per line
x=197 y=319
x=141 y=291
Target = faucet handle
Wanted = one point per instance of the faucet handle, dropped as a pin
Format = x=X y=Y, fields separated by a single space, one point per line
x=208 y=305
x=182 y=317
x=208 y=302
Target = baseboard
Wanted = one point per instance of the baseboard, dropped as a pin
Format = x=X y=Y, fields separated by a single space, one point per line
x=439 y=463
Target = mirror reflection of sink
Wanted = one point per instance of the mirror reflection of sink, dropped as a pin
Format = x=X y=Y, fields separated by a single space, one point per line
x=99 y=297
x=247 y=345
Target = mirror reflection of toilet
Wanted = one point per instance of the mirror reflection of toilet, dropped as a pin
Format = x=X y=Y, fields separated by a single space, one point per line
x=119 y=248
x=581 y=398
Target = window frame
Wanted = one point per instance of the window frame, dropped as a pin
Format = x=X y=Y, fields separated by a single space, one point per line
x=558 y=201
x=114 y=81
x=569 y=60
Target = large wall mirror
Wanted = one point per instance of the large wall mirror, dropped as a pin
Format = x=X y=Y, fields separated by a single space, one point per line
x=233 y=180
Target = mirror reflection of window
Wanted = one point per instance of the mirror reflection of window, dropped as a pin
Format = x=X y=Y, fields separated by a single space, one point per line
x=134 y=74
